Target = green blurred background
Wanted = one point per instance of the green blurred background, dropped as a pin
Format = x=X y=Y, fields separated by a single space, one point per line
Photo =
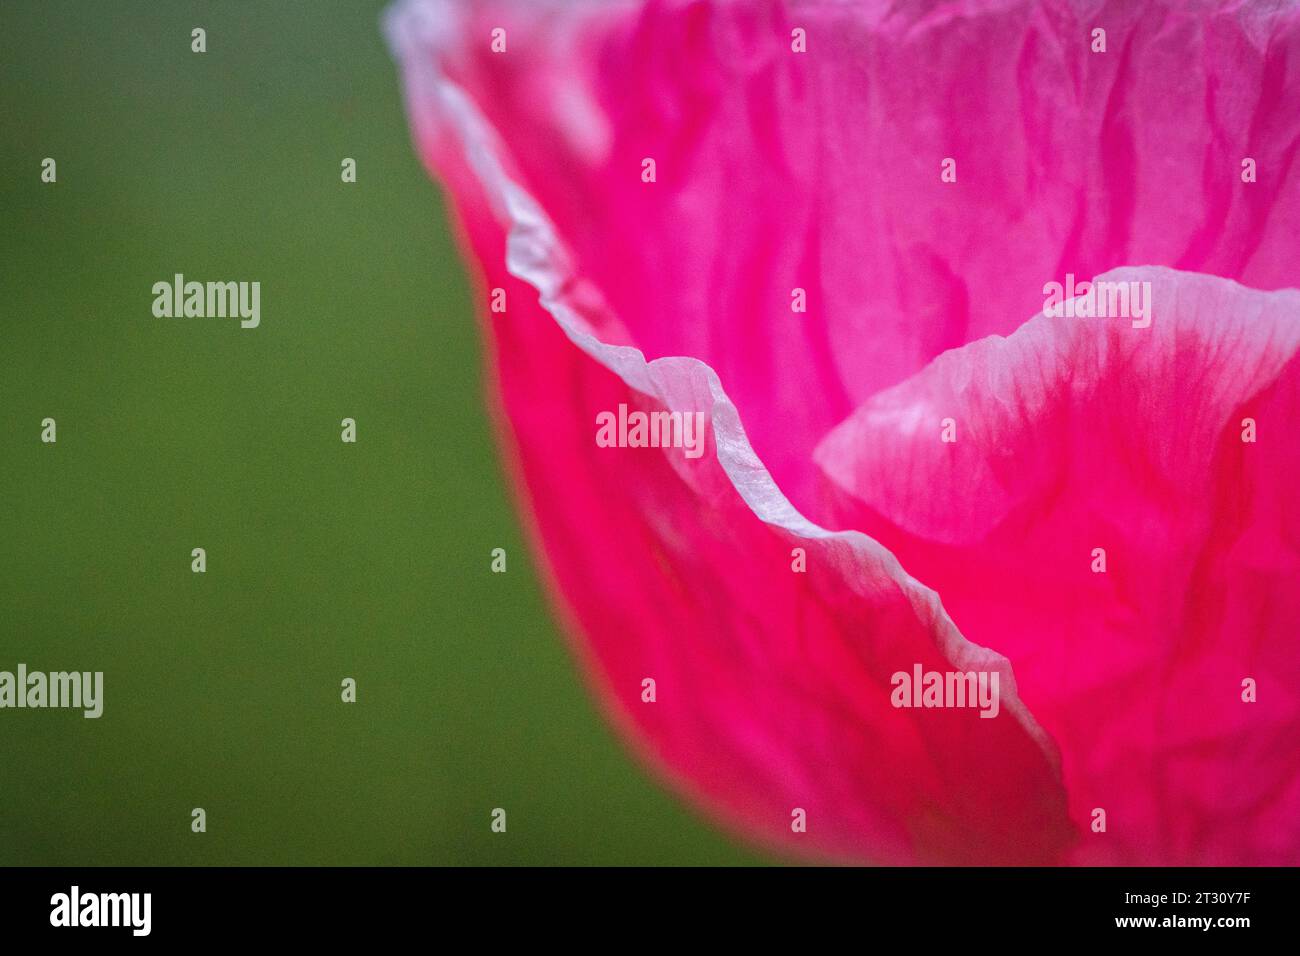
x=325 y=560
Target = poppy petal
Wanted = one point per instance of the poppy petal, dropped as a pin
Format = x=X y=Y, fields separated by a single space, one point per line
x=772 y=682
x=1115 y=513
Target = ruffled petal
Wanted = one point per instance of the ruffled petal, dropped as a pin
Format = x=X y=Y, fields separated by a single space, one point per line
x=777 y=170
x=1077 y=434
x=772 y=685
x=822 y=170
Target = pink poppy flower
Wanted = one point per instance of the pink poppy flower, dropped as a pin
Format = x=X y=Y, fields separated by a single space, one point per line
x=826 y=234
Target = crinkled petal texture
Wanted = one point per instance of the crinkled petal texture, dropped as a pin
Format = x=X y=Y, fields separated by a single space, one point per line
x=674 y=180
x=1101 y=521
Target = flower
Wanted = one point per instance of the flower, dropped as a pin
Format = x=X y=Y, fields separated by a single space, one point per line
x=812 y=225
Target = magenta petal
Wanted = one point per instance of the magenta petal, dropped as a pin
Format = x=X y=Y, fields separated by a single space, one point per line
x=773 y=686
x=821 y=170
x=779 y=171
x=1075 y=434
